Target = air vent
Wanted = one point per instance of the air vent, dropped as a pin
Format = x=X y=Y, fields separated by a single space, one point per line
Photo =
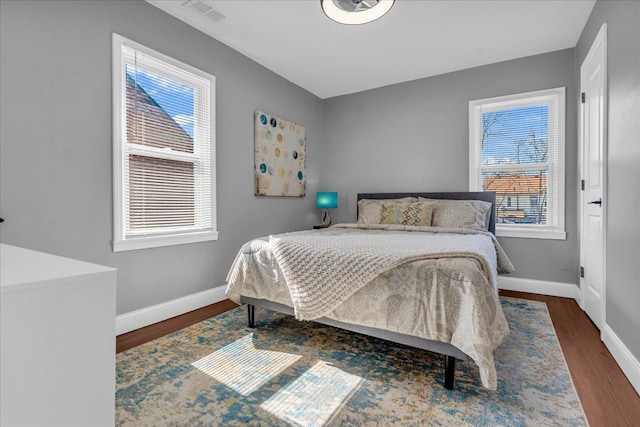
x=204 y=8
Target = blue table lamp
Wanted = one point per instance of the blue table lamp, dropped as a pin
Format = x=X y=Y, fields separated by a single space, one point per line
x=326 y=200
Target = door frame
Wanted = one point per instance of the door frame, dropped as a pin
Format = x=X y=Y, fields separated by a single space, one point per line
x=600 y=41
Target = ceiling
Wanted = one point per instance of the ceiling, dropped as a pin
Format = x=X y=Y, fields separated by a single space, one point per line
x=416 y=39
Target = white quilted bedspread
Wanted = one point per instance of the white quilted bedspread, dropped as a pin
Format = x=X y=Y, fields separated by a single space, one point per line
x=322 y=270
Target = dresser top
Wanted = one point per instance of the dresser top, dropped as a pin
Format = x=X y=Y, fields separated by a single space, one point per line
x=22 y=269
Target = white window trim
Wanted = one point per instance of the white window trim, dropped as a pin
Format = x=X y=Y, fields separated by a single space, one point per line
x=553 y=231
x=120 y=241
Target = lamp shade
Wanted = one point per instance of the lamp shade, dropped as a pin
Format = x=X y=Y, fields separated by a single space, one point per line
x=326 y=199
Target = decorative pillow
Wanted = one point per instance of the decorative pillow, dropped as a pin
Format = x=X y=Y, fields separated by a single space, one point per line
x=417 y=213
x=460 y=213
x=369 y=209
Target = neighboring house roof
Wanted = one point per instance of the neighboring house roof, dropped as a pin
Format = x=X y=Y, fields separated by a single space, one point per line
x=511 y=213
x=149 y=124
x=516 y=184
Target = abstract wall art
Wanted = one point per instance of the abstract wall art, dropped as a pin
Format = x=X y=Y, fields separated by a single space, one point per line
x=280 y=157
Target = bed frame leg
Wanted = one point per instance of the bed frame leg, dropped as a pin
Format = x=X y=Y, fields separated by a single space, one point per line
x=251 y=312
x=449 y=371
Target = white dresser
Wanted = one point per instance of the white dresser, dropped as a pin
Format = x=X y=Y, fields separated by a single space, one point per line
x=57 y=340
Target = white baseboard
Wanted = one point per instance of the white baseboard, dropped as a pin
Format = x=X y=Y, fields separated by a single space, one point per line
x=557 y=289
x=157 y=313
x=627 y=362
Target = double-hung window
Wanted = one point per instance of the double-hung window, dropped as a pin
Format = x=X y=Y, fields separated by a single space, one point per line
x=516 y=148
x=164 y=148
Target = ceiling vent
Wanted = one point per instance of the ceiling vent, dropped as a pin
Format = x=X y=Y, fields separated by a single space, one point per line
x=204 y=9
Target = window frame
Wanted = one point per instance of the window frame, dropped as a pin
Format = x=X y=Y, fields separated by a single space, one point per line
x=556 y=164
x=123 y=241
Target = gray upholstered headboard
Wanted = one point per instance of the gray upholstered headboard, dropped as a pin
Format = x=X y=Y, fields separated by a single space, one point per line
x=487 y=196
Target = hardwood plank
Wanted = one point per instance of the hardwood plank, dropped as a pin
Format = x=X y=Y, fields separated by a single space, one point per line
x=607 y=397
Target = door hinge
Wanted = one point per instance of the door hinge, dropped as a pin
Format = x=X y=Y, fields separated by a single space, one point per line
x=582 y=184
x=583 y=96
x=581 y=271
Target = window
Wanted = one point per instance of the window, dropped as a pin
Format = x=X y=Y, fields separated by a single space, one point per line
x=516 y=148
x=164 y=148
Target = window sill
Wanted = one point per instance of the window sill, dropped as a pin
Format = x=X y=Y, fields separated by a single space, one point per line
x=159 y=241
x=530 y=232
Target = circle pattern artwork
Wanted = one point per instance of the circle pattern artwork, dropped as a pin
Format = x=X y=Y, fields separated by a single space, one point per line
x=279 y=161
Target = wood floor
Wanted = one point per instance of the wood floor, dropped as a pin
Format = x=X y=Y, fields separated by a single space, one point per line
x=606 y=395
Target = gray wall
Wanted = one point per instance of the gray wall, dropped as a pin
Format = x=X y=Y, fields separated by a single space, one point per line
x=414 y=136
x=55 y=133
x=623 y=187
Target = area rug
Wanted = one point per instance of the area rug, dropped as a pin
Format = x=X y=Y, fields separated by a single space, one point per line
x=289 y=373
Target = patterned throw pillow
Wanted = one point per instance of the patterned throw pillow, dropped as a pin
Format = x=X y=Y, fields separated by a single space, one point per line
x=418 y=213
x=369 y=209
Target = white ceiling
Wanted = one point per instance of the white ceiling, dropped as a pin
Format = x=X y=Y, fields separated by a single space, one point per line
x=416 y=39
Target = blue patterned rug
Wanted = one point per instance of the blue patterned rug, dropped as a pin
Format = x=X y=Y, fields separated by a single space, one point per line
x=290 y=373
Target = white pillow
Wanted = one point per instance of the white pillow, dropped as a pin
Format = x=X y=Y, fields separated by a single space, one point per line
x=460 y=213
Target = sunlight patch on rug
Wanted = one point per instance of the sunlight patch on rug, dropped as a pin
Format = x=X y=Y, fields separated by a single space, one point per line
x=314 y=397
x=242 y=367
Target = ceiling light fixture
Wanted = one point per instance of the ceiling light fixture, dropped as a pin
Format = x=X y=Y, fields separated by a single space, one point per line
x=353 y=12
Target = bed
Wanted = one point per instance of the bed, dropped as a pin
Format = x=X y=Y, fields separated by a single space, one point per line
x=390 y=275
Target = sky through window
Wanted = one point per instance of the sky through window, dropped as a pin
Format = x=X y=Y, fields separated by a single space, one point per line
x=518 y=135
x=176 y=99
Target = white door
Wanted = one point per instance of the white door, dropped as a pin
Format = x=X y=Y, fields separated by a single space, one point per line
x=592 y=168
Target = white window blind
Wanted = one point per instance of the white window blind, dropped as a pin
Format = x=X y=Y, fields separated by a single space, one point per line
x=516 y=148
x=163 y=150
